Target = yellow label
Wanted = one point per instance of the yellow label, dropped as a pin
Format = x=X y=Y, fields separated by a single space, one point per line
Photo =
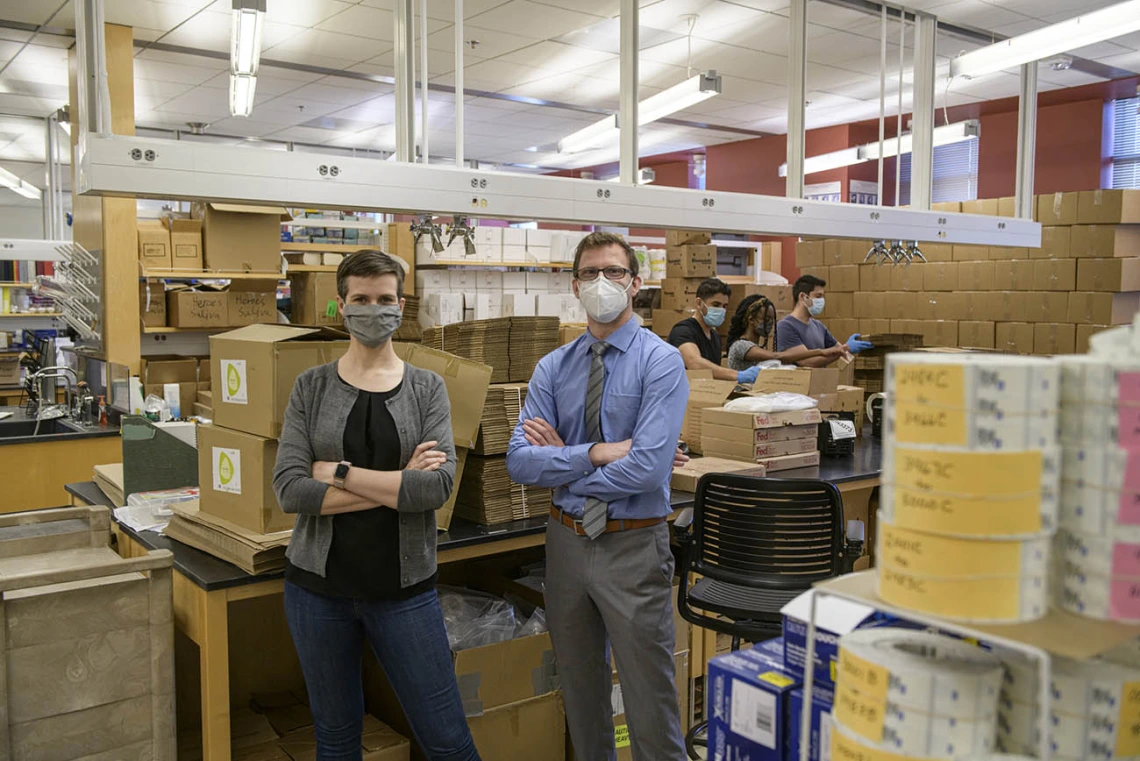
x=833 y=670
x=869 y=678
x=921 y=424
x=771 y=677
x=975 y=599
x=844 y=748
x=979 y=516
x=931 y=384
x=621 y=735
x=978 y=473
x=1128 y=727
x=859 y=713
x=930 y=555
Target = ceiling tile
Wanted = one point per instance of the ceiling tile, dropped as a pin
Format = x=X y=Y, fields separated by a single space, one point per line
x=713 y=16
x=162 y=71
x=211 y=30
x=557 y=56
x=373 y=23
x=314 y=46
x=324 y=92
x=208 y=104
x=29 y=11
x=533 y=20
x=490 y=43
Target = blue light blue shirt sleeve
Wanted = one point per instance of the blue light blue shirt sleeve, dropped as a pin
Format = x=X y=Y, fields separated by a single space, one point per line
x=649 y=464
x=547 y=467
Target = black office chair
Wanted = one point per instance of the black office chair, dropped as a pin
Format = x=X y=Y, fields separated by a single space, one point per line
x=757 y=543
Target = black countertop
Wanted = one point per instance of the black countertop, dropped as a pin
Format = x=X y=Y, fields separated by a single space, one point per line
x=210 y=573
x=65 y=429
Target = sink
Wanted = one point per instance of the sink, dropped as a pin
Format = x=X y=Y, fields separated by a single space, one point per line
x=28 y=427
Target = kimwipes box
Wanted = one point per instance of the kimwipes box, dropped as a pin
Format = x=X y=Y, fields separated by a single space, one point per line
x=235 y=479
x=801 y=380
x=690 y=261
x=254 y=369
x=686 y=478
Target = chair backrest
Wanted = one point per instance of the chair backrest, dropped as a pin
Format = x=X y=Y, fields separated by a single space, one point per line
x=769 y=533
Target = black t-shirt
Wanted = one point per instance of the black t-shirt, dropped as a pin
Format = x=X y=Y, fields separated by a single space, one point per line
x=364 y=559
x=689 y=331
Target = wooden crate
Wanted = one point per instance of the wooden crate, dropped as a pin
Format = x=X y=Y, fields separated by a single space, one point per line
x=87 y=639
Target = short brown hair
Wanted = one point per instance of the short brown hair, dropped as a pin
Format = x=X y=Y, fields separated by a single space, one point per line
x=601 y=240
x=368 y=262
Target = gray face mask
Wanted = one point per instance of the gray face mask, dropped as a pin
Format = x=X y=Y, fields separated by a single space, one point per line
x=372 y=324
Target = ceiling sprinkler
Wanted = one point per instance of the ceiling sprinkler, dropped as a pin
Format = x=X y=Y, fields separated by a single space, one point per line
x=1061 y=63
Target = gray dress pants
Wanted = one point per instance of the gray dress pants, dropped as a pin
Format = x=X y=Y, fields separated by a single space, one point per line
x=615 y=589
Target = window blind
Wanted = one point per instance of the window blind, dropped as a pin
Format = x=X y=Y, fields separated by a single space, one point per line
x=1126 y=143
x=955 y=173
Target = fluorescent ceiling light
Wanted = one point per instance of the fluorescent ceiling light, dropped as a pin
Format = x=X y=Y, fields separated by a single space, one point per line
x=16 y=185
x=677 y=98
x=1092 y=27
x=950 y=133
x=241 y=94
x=245 y=39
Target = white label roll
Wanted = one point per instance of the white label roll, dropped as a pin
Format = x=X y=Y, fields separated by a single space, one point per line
x=1087 y=379
x=998 y=383
x=1100 y=555
x=1082 y=591
x=915 y=423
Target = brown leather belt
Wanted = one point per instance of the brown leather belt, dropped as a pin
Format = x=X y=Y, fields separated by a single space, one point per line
x=575 y=524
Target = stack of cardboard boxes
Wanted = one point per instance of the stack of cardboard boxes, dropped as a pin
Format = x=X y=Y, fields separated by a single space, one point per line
x=1084 y=278
x=184 y=382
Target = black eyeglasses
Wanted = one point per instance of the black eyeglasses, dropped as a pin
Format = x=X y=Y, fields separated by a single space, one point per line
x=611 y=273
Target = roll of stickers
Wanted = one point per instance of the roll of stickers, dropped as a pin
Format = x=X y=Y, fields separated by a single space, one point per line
x=1098 y=425
x=1099 y=555
x=1095 y=595
x=1099 y=511
x=984 y=600
x=915 y=423
x=997 y=383
x=924 y=554
x=1087 y=379
x=959 y=492
x=916 y=693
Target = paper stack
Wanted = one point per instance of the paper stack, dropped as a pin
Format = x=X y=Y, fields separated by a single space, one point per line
x=487 y=495
x=500 y=415
x=532 y=338
x=253 y=553
x=485 y=341
x=109 y=479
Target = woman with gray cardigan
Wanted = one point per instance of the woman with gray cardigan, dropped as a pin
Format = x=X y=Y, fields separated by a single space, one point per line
x=364 y=460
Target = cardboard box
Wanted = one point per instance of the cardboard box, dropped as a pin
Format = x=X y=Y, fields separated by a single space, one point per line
x=186 y=308
x=1014 y=275
x=749 y=451
x=703 y=393
x=1014 y=337
x=1057 y=208
x=1008 y=307
x=1055 y=243
x=954 y=207
x=505 y=672
x=1112 y=275
x=833 y=252
x=530 y=729
x=790 y=461
x=938 y=252
x=665 y=319
x=845 y=399
x=822 y=701
x=241 y=238
x=754 y=420
x=906 y=326
x=1055 y=275
x=1105 y=241
x=691 y=261
x=940 y=332
x=251 y=302
x=871 y=326
x=152 y=303
x=1001 y=253
x=976 y=276
x=154 y=245
x=677 y=238
x=683 y=302
x=976 y=334
x=1007 y=207
x=402 y=244
x=680 y=286
x=1108 y=207
x=235 y=479
x=187 y=393
x=984 y=206
x=255 y=368
x=185 y=242
x=466 y=382
x=839 y=305
x=823 y=272
x=1054 y=338
x=935 y=305
x=868 y=304
x=1084 y=333
x=765 y=435
x=809 y=253
x=747 y=695
x=800 y=380
x=899 y=305
x=908 y=277
x=314 y=299
x=845 y=278
x=158 y=370
x=1103 y=308
x=686 y=478
x=1044 y=306
x=874 y=277
x=971 y=253
x=940 y=276
x=841 y=327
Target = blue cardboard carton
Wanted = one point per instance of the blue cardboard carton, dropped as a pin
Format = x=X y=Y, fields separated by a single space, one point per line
x=747 y=705
x=821 y=702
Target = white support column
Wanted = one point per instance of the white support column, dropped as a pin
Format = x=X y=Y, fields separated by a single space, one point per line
x=797 y=95
x=627 y=116
x=405 y=86
x=922 y=124
x=424 y=81
x=49 y=196
x=94 y=107
x=459 y=43
x=1026 y=139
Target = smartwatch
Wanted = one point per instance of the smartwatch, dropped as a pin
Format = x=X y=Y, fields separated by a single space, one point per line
x=341 y=473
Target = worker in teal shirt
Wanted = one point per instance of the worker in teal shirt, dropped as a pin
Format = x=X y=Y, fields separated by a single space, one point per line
x=600 y=427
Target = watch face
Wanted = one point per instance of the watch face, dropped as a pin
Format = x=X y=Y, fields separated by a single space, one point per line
x=341 y=470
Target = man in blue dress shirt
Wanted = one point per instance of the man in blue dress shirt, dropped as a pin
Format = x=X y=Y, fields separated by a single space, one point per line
x=600 y=427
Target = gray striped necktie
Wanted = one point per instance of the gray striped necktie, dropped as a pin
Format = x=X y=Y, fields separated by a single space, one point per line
x=594 y=515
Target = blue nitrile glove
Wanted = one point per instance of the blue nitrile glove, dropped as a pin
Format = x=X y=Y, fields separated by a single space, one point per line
x=748 y=376
x=855 y=345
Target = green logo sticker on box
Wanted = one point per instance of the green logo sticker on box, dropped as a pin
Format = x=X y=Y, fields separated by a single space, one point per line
x=330 y=308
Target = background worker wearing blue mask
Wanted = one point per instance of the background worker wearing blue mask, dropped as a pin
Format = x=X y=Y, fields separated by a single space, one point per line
x=697 y=339
x=801 y=329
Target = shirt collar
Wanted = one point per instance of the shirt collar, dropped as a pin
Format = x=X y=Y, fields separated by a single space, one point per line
x=620 y=339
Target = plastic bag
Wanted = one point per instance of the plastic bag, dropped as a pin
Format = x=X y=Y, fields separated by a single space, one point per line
x=781 y=401
x=536 y=624
x=476 y=619
x=155 y=409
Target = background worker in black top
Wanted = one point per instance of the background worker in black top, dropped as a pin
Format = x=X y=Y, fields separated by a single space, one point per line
x=696 y=337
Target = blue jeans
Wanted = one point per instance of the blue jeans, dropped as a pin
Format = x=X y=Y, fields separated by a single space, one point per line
x=409 y=640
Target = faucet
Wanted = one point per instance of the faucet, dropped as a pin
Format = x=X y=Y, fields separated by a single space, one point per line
x=49 y=409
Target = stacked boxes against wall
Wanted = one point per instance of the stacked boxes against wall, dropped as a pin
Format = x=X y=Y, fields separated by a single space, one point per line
x=1048 y=300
